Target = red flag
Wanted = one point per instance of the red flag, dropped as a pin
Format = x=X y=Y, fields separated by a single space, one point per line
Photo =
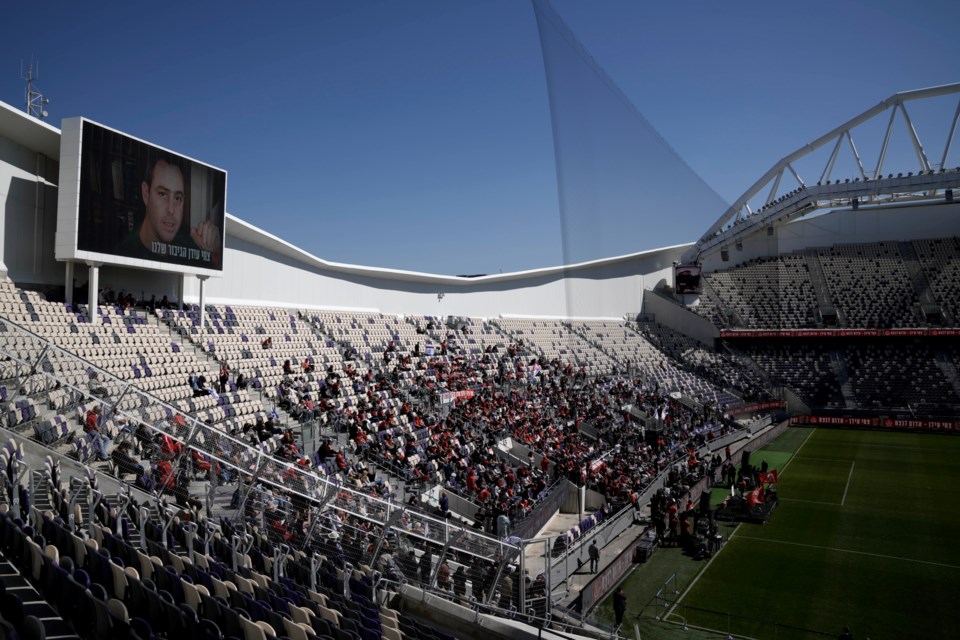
x=770 y=477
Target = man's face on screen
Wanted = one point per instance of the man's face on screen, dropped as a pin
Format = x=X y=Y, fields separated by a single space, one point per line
x=164 y=202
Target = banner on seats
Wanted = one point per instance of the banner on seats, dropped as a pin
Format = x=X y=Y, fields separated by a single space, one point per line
x=880 y=423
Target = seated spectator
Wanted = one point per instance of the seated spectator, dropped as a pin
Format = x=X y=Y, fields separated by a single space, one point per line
x=341 y=461
x=96 y=387
x=325 y=452
x=164 y=478
x=125 y=462
x=290 y=441
x=199 y=385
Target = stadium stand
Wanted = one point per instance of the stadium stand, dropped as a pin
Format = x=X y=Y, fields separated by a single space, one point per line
x=721 y=370
x=766 y=293
x=940 y=261
x=807 y=369
x=900 y=376
x=873 y=284
x=431 y=451
x=102 y=580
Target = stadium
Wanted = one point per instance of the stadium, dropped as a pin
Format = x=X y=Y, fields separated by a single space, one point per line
x=210 y=432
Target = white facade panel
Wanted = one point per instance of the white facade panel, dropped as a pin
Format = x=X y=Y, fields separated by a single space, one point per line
x=256 y=276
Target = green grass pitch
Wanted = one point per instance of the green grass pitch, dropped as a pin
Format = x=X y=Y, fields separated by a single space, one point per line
x=867 y=535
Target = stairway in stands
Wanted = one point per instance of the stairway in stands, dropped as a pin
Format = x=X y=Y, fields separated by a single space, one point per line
x=819 y=282
x=188 y=344
x=918 y=279
x=949 y=369
x=726 y=316
x=839 y=366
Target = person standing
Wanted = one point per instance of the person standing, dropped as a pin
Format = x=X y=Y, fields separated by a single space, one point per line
x=460 y=582
x=426 y=566
x=619 y=605
x=98 y=440
x=224 y=377
x=443 y=576
x=594 y=557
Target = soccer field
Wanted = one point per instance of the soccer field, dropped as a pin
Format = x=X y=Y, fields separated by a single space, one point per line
x=865 y=536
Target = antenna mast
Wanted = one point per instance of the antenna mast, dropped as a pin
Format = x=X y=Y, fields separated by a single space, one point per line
x=34 y=99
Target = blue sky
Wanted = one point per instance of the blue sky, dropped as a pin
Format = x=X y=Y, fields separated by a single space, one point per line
x=417 y=135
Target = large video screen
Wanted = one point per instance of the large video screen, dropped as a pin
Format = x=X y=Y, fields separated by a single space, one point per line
x=142 y=202
x=686 y=278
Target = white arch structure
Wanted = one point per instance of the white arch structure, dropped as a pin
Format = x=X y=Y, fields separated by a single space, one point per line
x=869 y=182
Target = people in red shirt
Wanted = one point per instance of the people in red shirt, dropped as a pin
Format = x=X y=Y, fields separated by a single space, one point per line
x=99 y=441
x=471 y=481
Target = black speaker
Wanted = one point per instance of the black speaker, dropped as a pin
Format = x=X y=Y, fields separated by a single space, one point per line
x=705 y=502
x=745 y=460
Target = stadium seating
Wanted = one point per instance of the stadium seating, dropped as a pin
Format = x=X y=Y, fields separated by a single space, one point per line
x=722 y=370
x=805 y=368
x=100 y=579
x=766 y=293
x=940 y=261
x=870 y=285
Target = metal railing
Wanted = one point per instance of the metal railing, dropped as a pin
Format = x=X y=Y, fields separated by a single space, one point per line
x=36 y=366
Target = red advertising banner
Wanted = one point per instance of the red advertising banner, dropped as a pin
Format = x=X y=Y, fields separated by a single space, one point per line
x=757 y=406
x=889 y=423
x=907 y=332
x=945 y=332
x=859 y=333
x=814 y=333
x=756 y=333
x=607 y=579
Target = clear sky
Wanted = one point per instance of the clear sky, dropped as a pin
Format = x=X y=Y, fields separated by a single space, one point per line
x=417 y=135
